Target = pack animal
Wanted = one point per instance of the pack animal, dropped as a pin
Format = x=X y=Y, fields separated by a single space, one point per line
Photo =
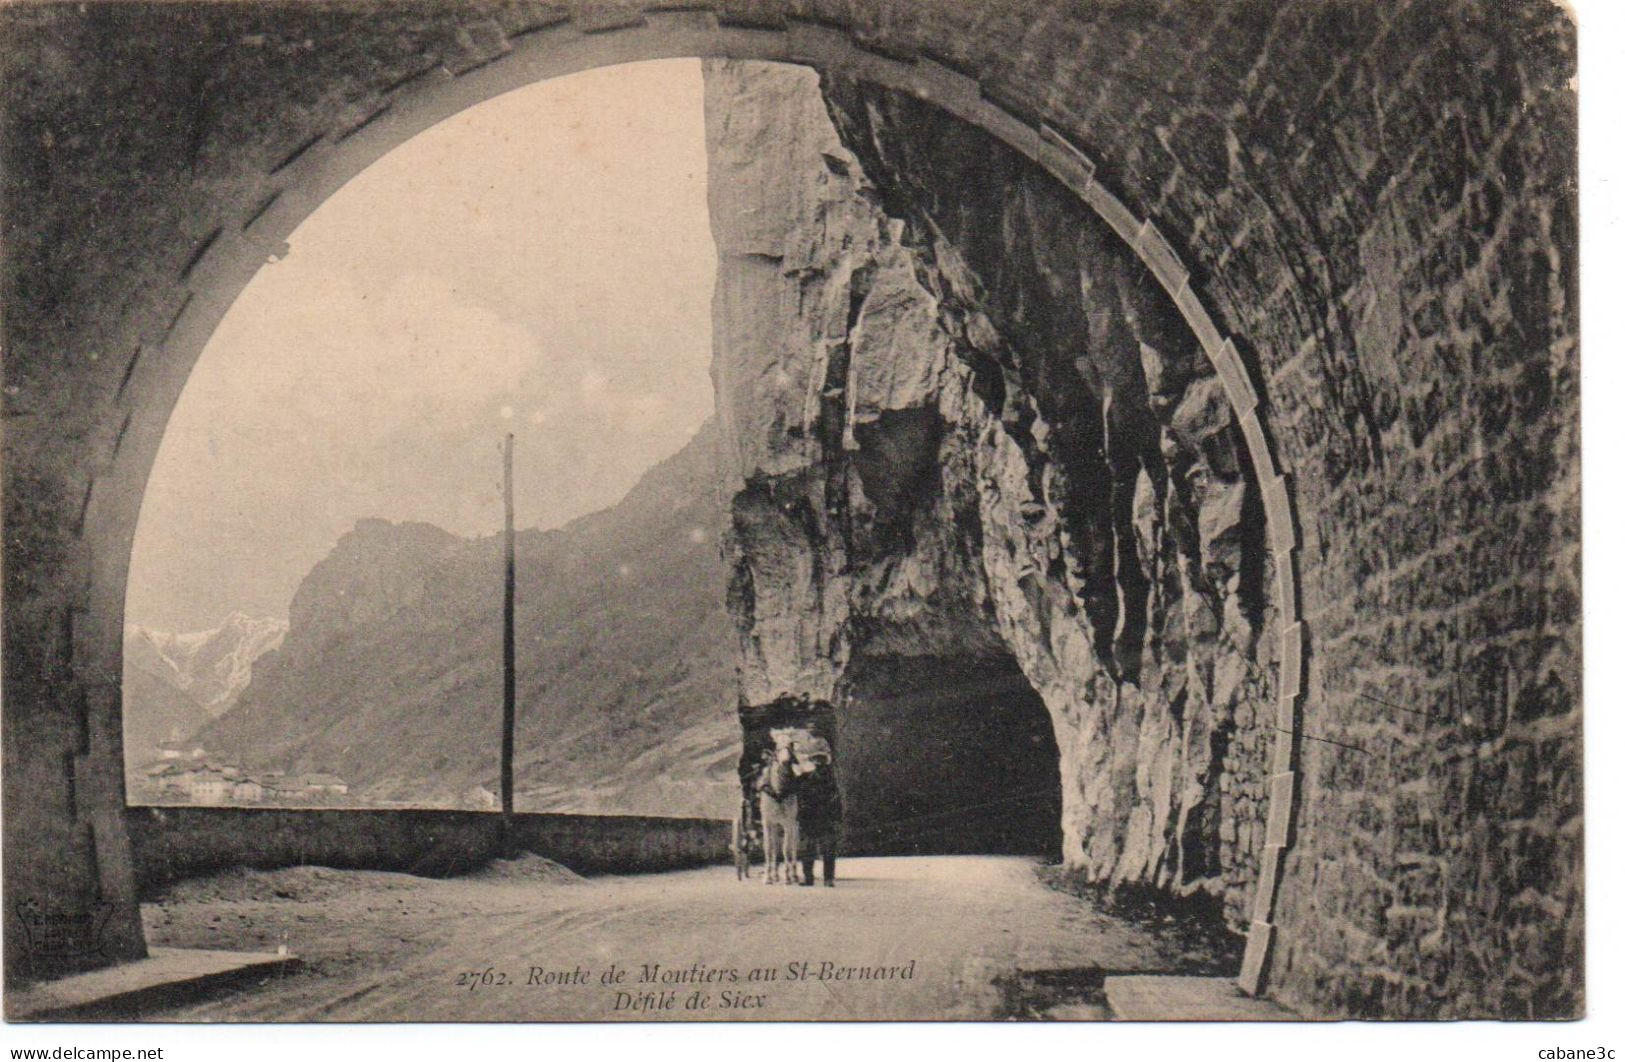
x=781 y=837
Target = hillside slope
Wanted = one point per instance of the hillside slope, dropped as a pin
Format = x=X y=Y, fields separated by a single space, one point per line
x=390 y=675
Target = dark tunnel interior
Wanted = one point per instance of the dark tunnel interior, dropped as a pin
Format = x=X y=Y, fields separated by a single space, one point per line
x=944 y=756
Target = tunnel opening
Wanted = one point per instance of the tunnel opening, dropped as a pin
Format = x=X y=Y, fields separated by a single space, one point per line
x=901 y=687
x=329 y=480
x=946 y=745
x=948 y=755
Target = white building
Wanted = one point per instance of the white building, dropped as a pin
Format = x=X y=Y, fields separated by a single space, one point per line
x=209 y=787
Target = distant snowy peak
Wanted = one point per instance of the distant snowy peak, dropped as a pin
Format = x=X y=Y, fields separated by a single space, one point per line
x=212 y=666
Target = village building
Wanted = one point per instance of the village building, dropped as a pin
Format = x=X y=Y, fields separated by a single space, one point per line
x=190 y=777
x=209 y=787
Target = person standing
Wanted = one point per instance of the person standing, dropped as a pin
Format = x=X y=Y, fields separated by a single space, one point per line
x=819 y=816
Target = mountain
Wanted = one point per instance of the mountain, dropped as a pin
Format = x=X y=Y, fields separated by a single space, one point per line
x=174 y=684
x=390 y=673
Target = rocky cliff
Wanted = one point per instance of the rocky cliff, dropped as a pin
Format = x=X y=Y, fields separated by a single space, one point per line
x=174 y=684
x=963 y=427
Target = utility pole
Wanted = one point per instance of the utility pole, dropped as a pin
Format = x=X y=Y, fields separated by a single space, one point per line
x=508 y=709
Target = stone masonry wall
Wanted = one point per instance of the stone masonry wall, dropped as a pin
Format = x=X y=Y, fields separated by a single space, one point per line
x=173 y=844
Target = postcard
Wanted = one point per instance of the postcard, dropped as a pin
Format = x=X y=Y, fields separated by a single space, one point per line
x=769 y=511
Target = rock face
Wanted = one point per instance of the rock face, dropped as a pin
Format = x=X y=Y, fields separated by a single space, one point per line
x=213 y=666
x=174 y=684
x=962 y=427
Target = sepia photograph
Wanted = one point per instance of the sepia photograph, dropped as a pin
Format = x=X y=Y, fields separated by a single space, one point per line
x=791 y=511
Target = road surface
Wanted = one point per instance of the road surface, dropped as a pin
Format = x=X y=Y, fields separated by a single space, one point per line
x=959 y=937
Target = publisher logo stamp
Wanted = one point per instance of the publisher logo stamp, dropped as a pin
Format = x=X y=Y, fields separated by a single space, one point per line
x=55 y=933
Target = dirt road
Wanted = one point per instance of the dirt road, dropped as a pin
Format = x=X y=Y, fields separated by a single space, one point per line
x=930 y=937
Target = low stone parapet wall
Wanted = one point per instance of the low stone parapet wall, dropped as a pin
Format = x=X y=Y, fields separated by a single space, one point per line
x=172 y=843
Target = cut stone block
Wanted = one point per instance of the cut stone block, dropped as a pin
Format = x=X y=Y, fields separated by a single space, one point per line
x=1159 y=998
x=166 y=976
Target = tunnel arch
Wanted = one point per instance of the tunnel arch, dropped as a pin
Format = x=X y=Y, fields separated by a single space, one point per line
x=489 y=60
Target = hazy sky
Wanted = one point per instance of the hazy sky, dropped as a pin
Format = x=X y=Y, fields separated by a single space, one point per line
x=541 y=263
